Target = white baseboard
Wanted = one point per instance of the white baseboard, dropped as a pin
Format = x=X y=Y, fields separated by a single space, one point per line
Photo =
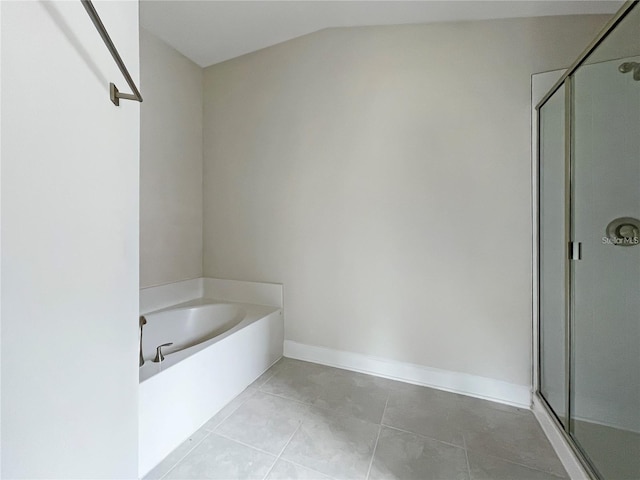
x=463 y=383
x=571 y=464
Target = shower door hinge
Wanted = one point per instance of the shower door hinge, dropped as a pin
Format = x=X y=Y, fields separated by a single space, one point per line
x=575 y=251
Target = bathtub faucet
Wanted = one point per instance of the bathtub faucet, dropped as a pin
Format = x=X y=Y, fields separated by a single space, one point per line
x=159 y=356
x=143 y=322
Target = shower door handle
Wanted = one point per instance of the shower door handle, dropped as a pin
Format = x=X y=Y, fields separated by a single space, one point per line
x=575 y=250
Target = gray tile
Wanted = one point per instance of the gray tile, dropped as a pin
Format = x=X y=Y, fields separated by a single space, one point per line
x=262 y=379
x=176 y=455
x=333 y=444
x=425 y=411
x=220 y=458
x=475 y=414
x=485 y=467
x=229 y=408
x=406 y=456
x=512 y=436
x=284 y=470
x=340 y=412
x=356 y=394
x=479 y=404
x=264 y=421
x=442 y=415
x=298 y=380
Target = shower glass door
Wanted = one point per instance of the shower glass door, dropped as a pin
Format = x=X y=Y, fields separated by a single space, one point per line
x=552 y=265
x=605 y=274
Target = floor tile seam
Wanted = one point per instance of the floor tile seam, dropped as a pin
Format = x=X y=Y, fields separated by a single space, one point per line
x=493 y=405
x=421 y=435
x=275 y=460
x=230 y=413
x=282 y=450
x=466 y=455
x=308 y=468
x=290 y=438
x=286 y=398
x=373 y=454
x=517 y=463
x=244 y=444
x=185 y=455
x=375 y=447
x=307 y=404
x=384 y=410
x=340 y=415
x=265 y=382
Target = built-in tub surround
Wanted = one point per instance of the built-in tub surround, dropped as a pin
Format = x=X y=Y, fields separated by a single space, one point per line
x=219 y=347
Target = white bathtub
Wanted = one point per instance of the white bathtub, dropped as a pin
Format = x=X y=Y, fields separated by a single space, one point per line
x=218 y=349
x=191 y=327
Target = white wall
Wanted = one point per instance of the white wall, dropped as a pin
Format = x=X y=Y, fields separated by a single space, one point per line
x=0 y=242
x=383 y=175
x=170 y=165
x=69 y=244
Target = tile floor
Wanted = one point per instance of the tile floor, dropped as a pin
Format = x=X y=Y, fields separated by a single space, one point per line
x=305 y=421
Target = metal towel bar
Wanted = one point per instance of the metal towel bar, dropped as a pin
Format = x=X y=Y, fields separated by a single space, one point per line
x=115 y=94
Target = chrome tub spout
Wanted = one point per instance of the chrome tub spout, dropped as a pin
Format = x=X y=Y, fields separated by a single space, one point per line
x=143 y=322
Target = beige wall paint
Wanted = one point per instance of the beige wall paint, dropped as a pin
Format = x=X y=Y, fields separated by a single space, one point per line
x=170 y=165
x=383 y=175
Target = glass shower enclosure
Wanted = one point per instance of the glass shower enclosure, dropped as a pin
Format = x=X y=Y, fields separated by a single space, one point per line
x=589 y=251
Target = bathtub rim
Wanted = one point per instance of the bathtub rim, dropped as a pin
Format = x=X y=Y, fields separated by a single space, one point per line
x=253 y=313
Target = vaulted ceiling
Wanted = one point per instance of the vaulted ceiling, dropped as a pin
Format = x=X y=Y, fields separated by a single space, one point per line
x=210 y=32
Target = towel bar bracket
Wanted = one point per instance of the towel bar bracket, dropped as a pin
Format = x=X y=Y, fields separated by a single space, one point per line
x=114 y=93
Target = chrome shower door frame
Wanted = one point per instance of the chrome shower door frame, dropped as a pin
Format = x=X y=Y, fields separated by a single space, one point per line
x=566 y=82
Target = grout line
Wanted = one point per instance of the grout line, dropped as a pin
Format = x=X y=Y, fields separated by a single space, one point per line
x=287 y=398
x=273 y=374
x=185 y=455
x=205 y=429
x=282 y=451
x=529 y=467
x=213 y=429
x=210 y=431
x=327 y=409
x=384 y=410
x=275 y=460
x=375 y=446
x=373 y=454
x=290 y=438
x=307 y=468
x=271 y=454
x=466 y=455
x=420 y=435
